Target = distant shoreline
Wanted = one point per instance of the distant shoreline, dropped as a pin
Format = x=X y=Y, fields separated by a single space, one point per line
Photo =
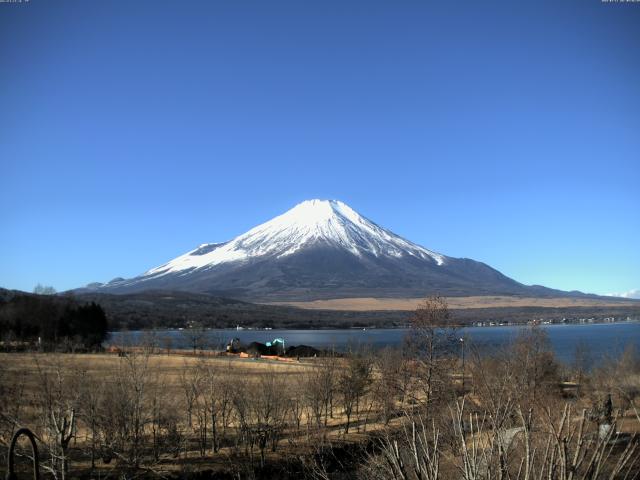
x=395 y=327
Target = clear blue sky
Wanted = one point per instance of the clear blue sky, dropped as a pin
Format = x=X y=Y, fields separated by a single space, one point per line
x=507 y=132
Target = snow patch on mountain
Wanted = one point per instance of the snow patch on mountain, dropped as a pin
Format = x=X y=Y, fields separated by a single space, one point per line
x=327 y=222
x=634 y=294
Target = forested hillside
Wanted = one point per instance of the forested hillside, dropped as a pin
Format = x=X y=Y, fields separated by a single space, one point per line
x=50 y=322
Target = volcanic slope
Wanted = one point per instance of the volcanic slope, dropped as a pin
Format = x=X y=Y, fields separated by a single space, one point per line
x=323 y=249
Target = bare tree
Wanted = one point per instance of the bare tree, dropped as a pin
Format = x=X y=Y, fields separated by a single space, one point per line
x=582 y=362
x=554 y=444
x=149 y=341
x=392 y=381
x=353 y=381
x=270 y=407
x=320 y=387
x=59 y=405
x=126 y=412
x=91 y=398
x=40 y=289
x=619 y=378
x=12 y=409
x=432 y=339
x=195 y=335
x=166 y=435
x=297 y=401
x=167 y=343
x=536 y=372
x=190 y=378
x=412 y=453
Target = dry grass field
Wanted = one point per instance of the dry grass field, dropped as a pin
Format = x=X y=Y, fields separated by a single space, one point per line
x=27 y=370
x=455 y=303
x=172 y=415
x=27 y=367
x=178 y=382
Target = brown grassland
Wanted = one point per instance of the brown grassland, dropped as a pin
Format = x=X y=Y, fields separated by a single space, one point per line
x=410 y=304
x=419 y=412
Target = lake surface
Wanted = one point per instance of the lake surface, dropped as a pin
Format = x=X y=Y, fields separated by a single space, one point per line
x=601 y=340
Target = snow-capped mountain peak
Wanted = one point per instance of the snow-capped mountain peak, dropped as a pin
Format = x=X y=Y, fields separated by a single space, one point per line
x=319 y=249
x=328 y=223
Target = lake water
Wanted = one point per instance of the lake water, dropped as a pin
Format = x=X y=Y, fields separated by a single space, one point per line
x=601 y=340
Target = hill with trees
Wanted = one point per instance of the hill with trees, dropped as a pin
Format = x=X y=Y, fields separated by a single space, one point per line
x=50 y=322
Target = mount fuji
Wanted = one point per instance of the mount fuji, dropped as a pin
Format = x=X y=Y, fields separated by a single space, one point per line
x=322 y=249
